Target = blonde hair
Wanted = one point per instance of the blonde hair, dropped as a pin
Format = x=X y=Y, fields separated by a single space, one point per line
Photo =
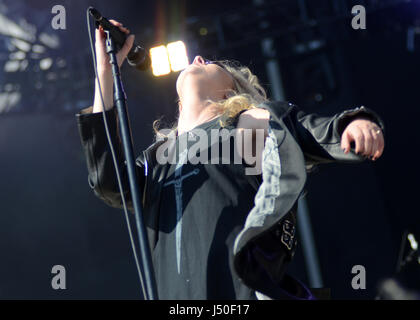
x=247 y=93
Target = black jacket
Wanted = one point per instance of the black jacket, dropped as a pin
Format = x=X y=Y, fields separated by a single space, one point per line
x=297 y=141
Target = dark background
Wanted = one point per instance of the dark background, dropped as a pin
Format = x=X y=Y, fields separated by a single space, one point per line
x=48 y=214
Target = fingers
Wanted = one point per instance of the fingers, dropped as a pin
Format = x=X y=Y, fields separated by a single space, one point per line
x=128 y=42
x=358 y=139
x=101 y=46
x=369 y=142
x=355 y=135
x=101 y=36
x=127 y=46
x=115 y=22
x=100 y=49
x=345 y=142
x=120 y=26
x=375 y=144
x=380 y=146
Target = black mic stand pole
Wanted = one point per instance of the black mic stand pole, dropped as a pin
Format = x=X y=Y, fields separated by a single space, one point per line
x=147 y=277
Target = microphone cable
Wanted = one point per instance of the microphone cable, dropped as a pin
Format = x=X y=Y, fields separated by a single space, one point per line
x=114 y=158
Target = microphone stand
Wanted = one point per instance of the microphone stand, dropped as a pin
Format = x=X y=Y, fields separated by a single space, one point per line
x=147 y=276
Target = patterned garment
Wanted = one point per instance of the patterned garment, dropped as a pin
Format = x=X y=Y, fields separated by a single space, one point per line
x=216 y=232
x=203 y=207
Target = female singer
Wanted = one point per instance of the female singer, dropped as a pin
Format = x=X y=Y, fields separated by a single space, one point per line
x=217 y=230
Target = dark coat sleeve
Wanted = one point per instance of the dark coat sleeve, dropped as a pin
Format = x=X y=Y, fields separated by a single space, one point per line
x=320 y=136
x=101 y=171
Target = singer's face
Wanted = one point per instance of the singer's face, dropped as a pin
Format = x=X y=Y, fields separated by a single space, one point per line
x=209 y=79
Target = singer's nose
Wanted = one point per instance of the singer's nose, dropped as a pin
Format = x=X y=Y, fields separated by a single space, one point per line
x=198 y=60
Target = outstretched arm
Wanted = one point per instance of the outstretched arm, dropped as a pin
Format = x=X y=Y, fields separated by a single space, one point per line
x=326 y=139
x=323 y=139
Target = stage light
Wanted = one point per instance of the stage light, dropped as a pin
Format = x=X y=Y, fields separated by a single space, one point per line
x=18 y=55
x=11 y=66
x=8 y=100
x=177 y=55
x=12 y=29
x=160 y=61
x=50 y=40
x=203 y=31
x=45 y=64
x=413 y=242
x=21 y=45
x=171 y=57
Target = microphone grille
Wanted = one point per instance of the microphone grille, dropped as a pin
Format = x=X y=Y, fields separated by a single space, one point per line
x=139 y=58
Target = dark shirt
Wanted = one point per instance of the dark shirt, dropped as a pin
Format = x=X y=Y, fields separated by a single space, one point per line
x=210 y=225
x=203 y=208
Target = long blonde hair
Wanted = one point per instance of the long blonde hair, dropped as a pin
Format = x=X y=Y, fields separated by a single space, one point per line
x=247 y=93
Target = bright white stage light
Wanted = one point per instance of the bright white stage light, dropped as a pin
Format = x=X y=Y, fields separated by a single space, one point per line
x=413 y=242
x=45 y=64
x=177 y=55
x=21 y=45
x=11 y=66
x=12 y=29
x=160 y=61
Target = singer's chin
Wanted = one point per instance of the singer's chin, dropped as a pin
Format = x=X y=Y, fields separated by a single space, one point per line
x=184 y=72
x=191 y=69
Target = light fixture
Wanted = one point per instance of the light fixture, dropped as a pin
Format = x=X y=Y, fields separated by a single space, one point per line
x=45 y=63
x=166 y=58
x=160 y=61
x=177 y=55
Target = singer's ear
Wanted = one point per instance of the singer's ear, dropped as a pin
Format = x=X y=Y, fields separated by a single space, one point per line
x=179 y=106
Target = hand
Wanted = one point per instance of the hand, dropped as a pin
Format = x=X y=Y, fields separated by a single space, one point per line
x=367 y=137
x=102 y=57
x=104 y=67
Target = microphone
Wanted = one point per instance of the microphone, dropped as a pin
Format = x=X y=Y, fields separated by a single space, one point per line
x=137 y=56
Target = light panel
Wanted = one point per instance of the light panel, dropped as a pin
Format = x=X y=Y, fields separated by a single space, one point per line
x=177 y=55
x=160 y=61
